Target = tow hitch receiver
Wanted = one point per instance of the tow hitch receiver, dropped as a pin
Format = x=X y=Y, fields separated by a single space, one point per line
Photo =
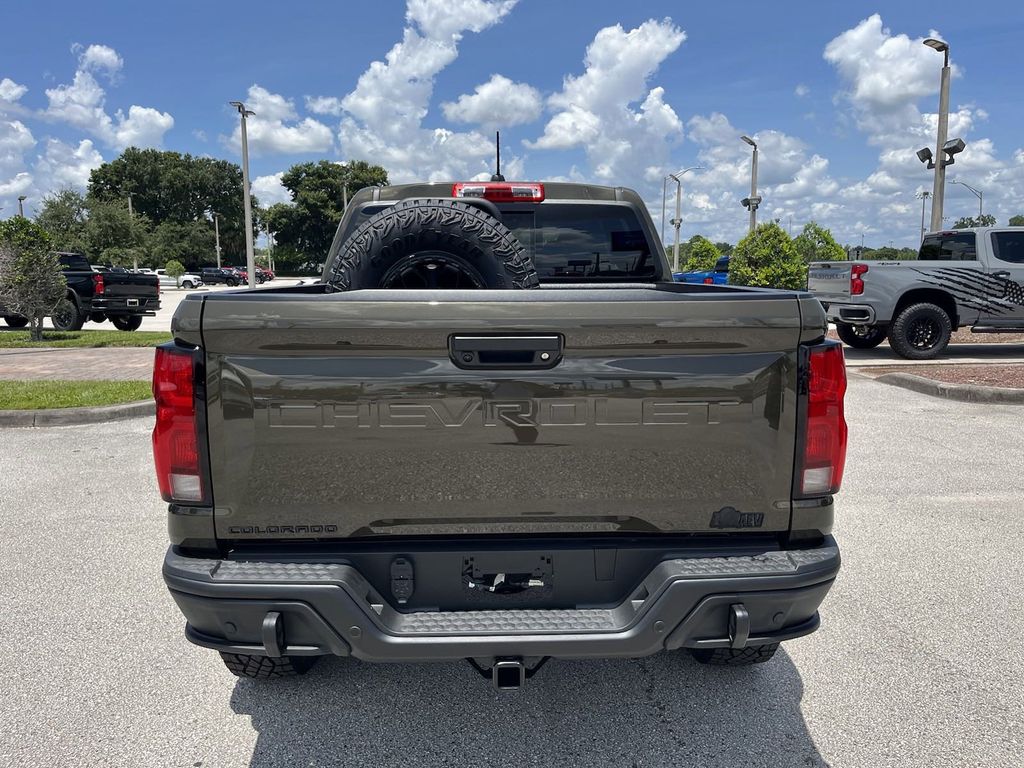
x=508 y=673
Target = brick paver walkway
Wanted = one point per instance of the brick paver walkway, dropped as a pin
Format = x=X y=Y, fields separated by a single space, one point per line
x=79 y=364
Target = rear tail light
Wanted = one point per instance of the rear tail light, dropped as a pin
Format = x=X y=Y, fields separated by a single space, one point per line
x=709 y=281
x=99 y=286
x=500 y=191
x=856 y=281
x=821 y=469
x=176 y=436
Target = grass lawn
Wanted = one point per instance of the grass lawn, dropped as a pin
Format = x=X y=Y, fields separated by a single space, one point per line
x=33 y=395
x=20 y=339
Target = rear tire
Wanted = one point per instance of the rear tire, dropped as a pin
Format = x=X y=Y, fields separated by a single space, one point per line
x=130 y=323
x=187 y=285
x=735 y=657
x=433 y=244
x=67 y=316
x=861 y=336
x=264 y=667
x=920 y=332
x=15 y=321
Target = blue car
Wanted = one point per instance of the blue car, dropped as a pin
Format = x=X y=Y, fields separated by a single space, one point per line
x=718 y=276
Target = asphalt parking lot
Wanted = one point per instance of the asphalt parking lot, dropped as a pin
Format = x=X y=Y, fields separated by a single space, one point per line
x=917 y=663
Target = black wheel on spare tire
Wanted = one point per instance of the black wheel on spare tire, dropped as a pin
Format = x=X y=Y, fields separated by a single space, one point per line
x=735 y=657
x=15 y=321
x=67 y=316
x=861 y=336
x=127 y=323
x=432 y=244
x=264 y=667
x=920 y=331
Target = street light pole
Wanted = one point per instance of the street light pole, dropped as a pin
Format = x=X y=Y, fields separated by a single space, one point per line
x=250 y=255
x=924 y=195
x=753 y=201
x=216 y=234
x=977 y=193
x=21 y=205
x=131 y=215
x=938 y=188
x=664 y=194
x=677 y=222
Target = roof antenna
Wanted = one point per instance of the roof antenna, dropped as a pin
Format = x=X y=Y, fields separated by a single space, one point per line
x=497 y=146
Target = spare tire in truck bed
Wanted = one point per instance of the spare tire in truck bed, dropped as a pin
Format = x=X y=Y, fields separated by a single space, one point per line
x=436 y=243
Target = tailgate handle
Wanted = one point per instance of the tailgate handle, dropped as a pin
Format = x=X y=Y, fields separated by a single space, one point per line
x=516 y=352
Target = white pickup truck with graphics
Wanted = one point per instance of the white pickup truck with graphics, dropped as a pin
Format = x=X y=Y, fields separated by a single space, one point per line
x=963 y=278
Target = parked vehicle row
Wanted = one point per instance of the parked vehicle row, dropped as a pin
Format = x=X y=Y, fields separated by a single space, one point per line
x=963 y=278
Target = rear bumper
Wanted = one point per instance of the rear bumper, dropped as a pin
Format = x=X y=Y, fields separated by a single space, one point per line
x=851 y=314
x=126 y=305
x=297 y=609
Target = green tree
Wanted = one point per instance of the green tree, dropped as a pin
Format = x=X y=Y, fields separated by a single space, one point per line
x=702 y=255
x=177 y=188
x=1017 y=221
x=31 y=281
x=815 y=243
x=304 y=228
x=766 y=258
x=114 y=236
x=984 y=220
x=724 y=248
x=175 y=269
x=190 y=242
x=63 y=216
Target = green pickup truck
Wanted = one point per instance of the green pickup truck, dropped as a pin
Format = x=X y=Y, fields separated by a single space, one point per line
x=497 y=430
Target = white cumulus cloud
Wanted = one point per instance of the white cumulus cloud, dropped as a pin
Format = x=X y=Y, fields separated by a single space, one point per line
x=625 y=127
x=276 y=128
x=269 y=190
x=496 y=104
x=82 y=103
x=384 y=114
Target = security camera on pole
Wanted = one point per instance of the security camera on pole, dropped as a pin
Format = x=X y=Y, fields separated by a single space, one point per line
x=754 y=200
x=944 y=150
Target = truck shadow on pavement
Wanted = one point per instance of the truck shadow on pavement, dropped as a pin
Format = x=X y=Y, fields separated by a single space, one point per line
x=662 y=710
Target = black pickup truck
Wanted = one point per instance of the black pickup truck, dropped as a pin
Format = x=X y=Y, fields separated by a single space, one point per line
x=119 y=296
x=500 y=452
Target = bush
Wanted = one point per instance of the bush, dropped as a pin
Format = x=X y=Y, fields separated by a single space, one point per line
x=31 y=281
x=816 y=243
x=766 y=258
x=175 y=269
x=703 y=255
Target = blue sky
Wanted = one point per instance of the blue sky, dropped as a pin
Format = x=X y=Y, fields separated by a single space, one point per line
x=622 y=93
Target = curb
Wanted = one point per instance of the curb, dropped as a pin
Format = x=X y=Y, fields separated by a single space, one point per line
x=967 y=393
x=63 y=417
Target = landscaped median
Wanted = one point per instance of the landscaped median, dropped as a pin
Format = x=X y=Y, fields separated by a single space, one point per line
x=36 y=395
x=985 y=383
x=83 y=339
x=84 y=377
x=43 y=403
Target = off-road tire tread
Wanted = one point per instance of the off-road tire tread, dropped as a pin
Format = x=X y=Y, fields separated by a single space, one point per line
x=898 y=332
x=735 y=657
x=264 y=667
x=468 y=231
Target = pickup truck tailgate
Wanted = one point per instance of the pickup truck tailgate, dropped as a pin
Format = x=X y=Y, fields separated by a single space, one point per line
x=829 y=281
x=354 y=414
